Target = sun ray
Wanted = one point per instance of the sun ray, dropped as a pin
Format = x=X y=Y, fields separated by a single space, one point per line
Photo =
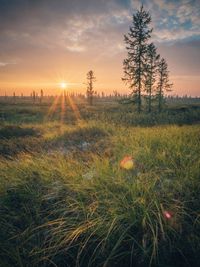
x=74 y=108
x=53 y=107
x=63 y=107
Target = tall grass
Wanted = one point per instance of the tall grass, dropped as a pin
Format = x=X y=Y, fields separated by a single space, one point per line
x=81 y=209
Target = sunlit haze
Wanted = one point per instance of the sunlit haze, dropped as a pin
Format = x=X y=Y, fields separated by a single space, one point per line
x=43 y=41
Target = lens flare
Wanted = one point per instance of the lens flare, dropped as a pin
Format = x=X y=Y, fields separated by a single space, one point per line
x=167 y=214
x=127 y=163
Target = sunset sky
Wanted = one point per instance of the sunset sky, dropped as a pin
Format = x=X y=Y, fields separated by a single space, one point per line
x=46 y=42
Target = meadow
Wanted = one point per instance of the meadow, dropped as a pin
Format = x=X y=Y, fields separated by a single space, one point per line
x=65 y=200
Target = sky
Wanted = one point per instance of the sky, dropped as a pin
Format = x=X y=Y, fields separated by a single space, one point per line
x=46 y=42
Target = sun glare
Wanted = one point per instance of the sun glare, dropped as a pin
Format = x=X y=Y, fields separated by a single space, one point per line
x=63 y=85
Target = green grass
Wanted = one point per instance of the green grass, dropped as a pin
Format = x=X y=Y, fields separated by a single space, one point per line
x=65 y=201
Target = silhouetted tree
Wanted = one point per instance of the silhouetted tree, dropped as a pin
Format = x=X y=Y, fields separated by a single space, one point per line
x=34 y=96
x=14 y=97
x=152 y=60
x=41 y=95
x=115 y=93
x=134 y=64
x=163 y=83
x=90 y=92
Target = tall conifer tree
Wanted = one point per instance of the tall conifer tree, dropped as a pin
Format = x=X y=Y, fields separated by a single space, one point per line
x=134 y=65
x=163 y=85
x=152 y=59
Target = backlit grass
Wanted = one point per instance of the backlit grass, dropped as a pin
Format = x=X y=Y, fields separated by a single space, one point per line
x=66 y=201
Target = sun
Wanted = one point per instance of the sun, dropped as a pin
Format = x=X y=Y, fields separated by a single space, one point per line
x=63 y=85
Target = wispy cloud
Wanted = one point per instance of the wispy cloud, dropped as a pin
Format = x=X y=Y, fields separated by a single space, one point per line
x=175 y=20
x=4 y=64
x=74 y=25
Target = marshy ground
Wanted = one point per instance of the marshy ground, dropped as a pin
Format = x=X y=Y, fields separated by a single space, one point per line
x=65 y=201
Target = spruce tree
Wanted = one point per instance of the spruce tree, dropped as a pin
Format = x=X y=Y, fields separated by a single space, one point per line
x=134 y=65
x=152 y=59
x=90 y=92
x=163 y=85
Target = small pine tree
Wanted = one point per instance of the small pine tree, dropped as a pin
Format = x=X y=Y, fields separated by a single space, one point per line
x=90 y=92
x=134 y=64
x=152 y=59
x=163 y=83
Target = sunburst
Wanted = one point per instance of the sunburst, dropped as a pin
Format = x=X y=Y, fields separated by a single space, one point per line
x=64 y=99
x=63 y=85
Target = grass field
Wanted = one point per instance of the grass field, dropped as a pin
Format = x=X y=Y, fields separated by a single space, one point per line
x=65 y=200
